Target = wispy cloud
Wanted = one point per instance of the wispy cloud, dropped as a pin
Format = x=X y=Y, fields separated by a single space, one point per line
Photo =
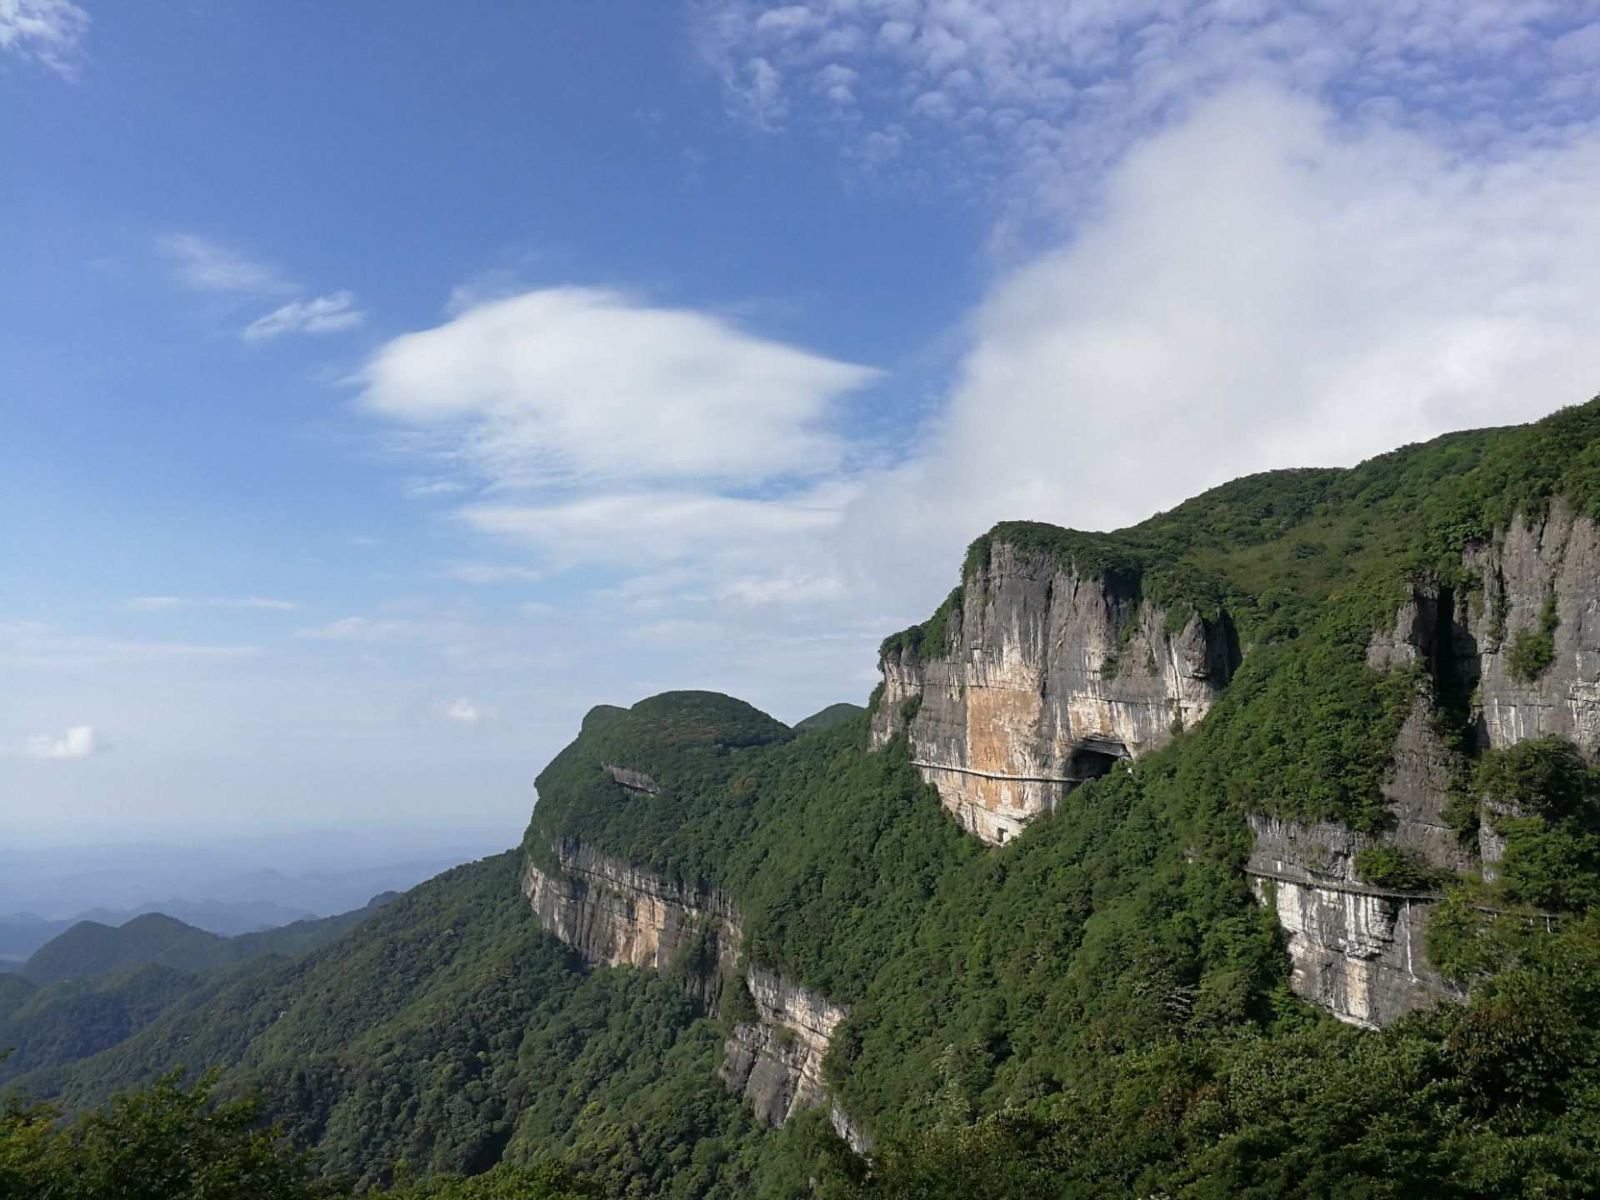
x=206 y=265
x=491 y=573
x=641 y=527
x=364 y=629
x=171 y=603
x=324 y=314
x=210 y=266
x=77 y=742
x=435 y=487
x=1049 y=92
x=462 y=711
x=50 y=32
x=33 y=643
x=573 y=384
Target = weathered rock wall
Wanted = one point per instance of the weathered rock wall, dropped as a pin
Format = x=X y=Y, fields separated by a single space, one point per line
x=1048 y=677
x=1554 y=559
x=775 y=1061
x=616 y=915
x=1358 y=951
x=621 y=917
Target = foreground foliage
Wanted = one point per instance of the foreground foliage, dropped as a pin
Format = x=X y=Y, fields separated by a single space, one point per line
x=171 y=1142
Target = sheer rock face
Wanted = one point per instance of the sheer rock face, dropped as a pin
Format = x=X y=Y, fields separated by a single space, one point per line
x=1556 y=559
x=1048 y=677
x=775 y=1061
x=1464 y=638
x=1356 y=950
x=615 y=915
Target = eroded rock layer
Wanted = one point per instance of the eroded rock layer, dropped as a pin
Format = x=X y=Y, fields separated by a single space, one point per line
x=1045 y=678
x=775 y=1061
x=616 y=915
x=1357 y=950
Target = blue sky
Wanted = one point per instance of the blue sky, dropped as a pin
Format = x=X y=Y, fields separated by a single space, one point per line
x=382 y=387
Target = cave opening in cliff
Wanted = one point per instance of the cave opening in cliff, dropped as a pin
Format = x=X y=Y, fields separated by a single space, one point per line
x=1091 y=762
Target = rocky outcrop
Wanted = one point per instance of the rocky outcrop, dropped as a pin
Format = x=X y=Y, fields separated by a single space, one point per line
x=615 y=915
x=1358 y=950
x=1046 y=678
x=775 y=1061
x=634 y=781
x=1550 y=565
x=1535 y=577
x=1354 y=949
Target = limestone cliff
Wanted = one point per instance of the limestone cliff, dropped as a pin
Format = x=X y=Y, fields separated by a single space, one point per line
x=616 y=915
x=1359 y=950
x=1537 y=573
x=1355 y=949
x=775 y=1061
x=1042 y=678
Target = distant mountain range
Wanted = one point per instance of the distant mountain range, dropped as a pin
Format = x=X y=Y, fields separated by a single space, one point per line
x=232 y=885
x=227 y=889
x=23 y=933
x=93 y=985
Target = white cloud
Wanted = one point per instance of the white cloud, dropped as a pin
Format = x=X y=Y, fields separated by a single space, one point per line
x=652 y=527
x=209 y=266
x=571 y=384
x=324 y=314
x=1047 y=92
x=1260 y=289
x=48 y=31
x=491 y=573
x=462 y=711
x=77 y=742
x=171 y=603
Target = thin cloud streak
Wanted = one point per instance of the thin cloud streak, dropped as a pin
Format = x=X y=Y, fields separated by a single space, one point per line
x=175 y=603
x=332 y=313
x=206 y=265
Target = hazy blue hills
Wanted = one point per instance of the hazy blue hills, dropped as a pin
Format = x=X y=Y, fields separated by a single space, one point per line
x=23 y=933
x=95 y=985
x=91 y=948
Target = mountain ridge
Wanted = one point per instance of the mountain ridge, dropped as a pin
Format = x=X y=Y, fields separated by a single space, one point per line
x=1135 y=993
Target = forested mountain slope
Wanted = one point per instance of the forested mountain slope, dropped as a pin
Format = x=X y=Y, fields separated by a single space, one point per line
x=1316 y=744
x=94 y=985
x=91 y=948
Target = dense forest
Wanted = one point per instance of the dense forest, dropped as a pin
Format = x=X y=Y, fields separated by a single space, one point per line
x=1100 y=1007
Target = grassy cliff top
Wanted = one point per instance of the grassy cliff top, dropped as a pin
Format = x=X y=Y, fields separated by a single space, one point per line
x=1274 y=549
x=687 y=742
